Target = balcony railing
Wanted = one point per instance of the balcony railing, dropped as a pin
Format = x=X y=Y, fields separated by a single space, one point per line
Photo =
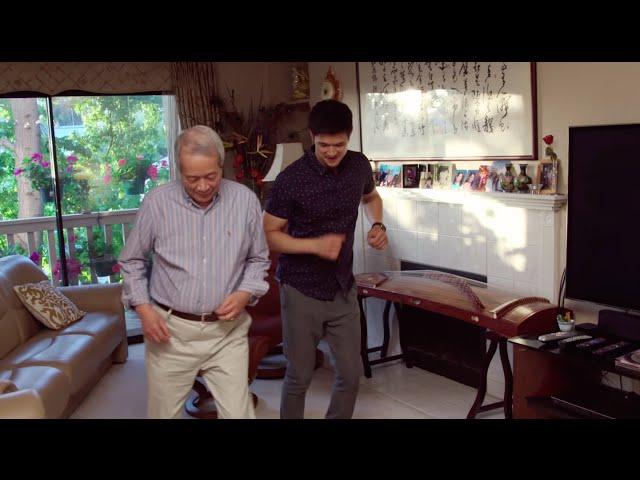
x=46 y=226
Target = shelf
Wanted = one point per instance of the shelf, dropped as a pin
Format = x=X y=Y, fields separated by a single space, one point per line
x=599 y=402
x=523 y=200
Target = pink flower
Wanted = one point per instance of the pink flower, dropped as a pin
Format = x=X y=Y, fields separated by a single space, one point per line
x=36 y=156
x=122 y=162
x=152 y=172
x=69 y=169
x=106 y=179
x=73 y=268
x=164 y=164
x=116 y=268
x=72 y=159
x=35 y=258
x=45 y=164
x=18 y=171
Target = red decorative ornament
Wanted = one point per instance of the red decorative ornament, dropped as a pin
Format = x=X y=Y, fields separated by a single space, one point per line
x=548 y=139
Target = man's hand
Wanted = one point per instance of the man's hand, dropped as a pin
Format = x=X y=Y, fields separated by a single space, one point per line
x=377 y=238
x=233 y=305
x=154 y=326
x=328 y=246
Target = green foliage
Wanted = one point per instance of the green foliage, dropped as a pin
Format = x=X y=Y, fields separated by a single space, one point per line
x=92 y=178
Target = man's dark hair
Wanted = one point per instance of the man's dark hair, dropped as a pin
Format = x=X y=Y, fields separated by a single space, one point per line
x=330 y=117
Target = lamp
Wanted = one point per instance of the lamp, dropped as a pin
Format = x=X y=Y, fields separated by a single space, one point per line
x=286 y=154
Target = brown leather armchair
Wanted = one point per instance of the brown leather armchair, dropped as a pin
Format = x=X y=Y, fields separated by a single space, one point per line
x=267 y=323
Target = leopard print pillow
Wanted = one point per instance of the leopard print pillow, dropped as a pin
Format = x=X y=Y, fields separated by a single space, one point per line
x=48 y=305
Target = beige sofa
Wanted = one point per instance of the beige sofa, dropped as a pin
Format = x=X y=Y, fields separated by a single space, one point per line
x=46 y=373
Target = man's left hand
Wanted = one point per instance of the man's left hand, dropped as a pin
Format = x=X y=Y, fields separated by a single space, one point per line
x=233 y=305
x=377 y=238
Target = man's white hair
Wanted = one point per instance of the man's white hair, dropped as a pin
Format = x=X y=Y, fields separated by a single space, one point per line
x=200 y=140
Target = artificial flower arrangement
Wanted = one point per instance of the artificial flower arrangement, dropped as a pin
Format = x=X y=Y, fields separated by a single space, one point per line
x=548 y=151
x=252 y=138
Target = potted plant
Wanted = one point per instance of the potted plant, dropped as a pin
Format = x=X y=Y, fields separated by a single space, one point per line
x=38 y=170
x=102 y=258
x=134 y=172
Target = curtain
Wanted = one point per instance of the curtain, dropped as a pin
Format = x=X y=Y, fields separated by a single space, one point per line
x=52 y=78
x=172 y=127
x=195 y=88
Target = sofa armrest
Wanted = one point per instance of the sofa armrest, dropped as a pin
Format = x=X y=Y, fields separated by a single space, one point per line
x=91 y=298
x=19 y=403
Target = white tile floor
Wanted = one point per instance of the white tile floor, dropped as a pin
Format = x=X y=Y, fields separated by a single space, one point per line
x=394 y=392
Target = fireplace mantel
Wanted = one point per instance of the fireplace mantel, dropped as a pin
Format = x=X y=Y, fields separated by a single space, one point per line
x=523 y=200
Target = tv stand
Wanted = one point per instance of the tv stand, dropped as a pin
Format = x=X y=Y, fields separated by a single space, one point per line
x=549 y=383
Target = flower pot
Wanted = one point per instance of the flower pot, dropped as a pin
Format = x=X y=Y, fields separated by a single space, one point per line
x=103 y=266
x=565 y=326
x=135 y=186
x=47 y=195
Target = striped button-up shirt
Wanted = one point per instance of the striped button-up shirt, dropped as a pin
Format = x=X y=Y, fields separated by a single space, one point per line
x=200 y=255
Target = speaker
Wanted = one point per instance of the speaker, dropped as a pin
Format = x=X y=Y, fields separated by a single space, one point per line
x=619 y=324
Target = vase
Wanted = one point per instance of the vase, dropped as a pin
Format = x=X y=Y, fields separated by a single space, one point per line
x=523 y=180
x=507 y=179
x=135 y=186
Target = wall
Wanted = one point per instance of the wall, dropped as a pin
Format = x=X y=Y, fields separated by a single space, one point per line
x=247 y=79
x=569 y=94
x=579 y=94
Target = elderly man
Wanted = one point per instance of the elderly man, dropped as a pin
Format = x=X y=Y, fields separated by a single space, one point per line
x=210 y=259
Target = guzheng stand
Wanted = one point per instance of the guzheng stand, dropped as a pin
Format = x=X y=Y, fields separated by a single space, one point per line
x=497 y=311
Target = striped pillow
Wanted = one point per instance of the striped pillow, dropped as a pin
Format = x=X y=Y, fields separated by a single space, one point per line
x=48 y=305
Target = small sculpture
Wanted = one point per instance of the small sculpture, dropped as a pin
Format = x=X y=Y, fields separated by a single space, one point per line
x=331 y=89
x=300 y=82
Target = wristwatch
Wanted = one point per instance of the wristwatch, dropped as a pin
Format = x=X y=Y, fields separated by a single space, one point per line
x=380 y=224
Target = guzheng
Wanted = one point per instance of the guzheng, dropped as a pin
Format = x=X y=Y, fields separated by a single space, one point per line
x=501 y=312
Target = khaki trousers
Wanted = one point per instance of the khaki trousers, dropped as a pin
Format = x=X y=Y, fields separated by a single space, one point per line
x=220 y=349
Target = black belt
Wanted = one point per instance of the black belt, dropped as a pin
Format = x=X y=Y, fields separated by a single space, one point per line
x=205 y=317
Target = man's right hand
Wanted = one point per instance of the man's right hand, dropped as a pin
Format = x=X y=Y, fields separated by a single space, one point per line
x=154 y=326
x=328 y=246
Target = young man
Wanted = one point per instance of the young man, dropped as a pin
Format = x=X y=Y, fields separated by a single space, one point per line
x=210 y=259
x=310 y=218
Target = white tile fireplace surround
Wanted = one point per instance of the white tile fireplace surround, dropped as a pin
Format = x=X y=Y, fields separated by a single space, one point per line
x=512 y=239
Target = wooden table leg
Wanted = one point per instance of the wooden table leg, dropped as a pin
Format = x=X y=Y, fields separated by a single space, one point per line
x=385 y=326
x=363 y=339
x=482 y=389
x=508 y=379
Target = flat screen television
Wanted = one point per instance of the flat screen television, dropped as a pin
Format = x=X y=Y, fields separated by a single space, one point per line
x=603 y=240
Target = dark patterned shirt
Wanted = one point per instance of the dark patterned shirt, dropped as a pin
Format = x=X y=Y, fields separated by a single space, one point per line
x=316 y=200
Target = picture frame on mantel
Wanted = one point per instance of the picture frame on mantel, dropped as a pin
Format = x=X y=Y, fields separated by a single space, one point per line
x=547 y=176
x=448 y=110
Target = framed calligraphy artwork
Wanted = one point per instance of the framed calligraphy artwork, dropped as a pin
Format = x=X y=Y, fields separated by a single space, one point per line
x=448 y=110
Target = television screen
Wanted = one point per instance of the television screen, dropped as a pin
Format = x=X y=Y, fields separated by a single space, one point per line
x=603 y=241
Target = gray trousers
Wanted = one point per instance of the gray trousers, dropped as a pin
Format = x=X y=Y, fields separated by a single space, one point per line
x=305 y=321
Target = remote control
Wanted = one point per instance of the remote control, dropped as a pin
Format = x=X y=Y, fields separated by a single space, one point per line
x=573 y=340
x=552 y=337
x=610 y=348
x=591 y=343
